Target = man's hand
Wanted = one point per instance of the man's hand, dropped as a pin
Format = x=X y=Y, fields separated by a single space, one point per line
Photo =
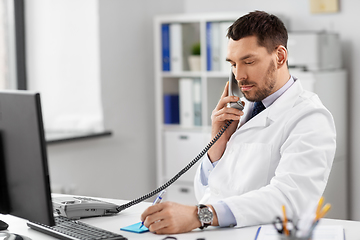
x=170 y=218
x=219 y=116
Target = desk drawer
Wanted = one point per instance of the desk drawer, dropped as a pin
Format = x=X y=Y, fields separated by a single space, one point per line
x=180 y=149
x=181 y=193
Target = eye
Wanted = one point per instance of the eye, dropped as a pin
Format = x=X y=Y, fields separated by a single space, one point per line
x=250 y=62
x=232 y=64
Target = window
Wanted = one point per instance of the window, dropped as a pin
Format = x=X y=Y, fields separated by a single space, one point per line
x=52 y=47
x=12 y=45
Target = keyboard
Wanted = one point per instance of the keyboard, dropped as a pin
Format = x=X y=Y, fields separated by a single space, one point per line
x=68 y=229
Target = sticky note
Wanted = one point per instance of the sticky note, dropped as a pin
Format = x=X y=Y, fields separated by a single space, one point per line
x=135 y=228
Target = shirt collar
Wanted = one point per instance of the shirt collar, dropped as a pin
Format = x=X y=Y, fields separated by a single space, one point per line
x=271 y=99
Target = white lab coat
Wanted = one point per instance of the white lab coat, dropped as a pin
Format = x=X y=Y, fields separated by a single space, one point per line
x=283 y=156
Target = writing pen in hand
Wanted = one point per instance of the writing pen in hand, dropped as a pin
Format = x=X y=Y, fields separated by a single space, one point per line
x=156 y=201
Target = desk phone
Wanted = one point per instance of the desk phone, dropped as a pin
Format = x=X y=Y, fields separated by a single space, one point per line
x=81 y=207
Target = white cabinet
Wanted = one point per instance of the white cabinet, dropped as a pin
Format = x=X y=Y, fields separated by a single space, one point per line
x=181 y=192
x=331 y=87
x=180 y=148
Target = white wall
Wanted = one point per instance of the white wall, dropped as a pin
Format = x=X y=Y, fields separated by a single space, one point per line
x=123 y=165
x=345 y=22
x=127 y=76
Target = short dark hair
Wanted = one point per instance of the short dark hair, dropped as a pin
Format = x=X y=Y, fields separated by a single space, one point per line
x=269 y=29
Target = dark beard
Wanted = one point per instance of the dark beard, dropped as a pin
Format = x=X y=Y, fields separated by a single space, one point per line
x=267 y=89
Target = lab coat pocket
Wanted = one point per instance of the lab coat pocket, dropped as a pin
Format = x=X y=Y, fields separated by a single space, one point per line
x=251 y=166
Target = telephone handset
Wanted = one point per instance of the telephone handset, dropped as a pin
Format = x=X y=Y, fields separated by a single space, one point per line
x=234 y=90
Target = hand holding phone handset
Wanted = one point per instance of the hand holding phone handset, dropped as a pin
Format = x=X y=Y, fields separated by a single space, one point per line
x=228 y=108
x=239 y=106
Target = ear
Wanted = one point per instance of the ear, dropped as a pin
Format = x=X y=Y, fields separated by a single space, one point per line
x=281 y=56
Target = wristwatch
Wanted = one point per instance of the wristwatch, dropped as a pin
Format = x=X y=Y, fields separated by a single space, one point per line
x=205 y=215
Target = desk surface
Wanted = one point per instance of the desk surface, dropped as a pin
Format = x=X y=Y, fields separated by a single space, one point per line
x=132 y=215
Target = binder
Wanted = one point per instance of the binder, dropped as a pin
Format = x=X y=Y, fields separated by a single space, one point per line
x=176 y=56
x=208 y=46
x=224 y=65
x=186 y=102
x=165 y=45
x=197 y=101
x=215 y=46
x=171 y=109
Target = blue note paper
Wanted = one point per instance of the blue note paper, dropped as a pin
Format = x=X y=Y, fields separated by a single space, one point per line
x=135 y=228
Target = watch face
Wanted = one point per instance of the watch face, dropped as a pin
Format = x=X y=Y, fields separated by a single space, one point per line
x=205 y=215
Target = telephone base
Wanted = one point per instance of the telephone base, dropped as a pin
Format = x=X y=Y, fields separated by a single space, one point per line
x=81 y=207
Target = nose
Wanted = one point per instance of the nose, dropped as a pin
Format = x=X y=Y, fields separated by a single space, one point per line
x=239 y=73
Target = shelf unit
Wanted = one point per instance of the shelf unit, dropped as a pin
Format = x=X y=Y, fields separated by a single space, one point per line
x=178 y=145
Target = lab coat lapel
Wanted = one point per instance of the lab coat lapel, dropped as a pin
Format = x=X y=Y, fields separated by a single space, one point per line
x=272 y=113
x=285 y=102
x=257 y=121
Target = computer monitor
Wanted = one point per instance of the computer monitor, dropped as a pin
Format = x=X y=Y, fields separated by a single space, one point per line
x=25 y=185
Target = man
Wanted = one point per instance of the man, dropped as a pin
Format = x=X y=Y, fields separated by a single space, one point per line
x=281 y=156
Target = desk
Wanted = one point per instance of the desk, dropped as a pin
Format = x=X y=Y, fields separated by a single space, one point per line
x=132 y=215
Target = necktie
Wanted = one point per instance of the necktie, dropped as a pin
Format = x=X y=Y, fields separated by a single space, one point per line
x=258 y=107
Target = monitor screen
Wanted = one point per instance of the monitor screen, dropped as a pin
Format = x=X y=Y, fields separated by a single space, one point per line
x=25 y=185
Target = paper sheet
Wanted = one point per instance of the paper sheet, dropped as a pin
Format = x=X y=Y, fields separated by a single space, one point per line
x=334 y=232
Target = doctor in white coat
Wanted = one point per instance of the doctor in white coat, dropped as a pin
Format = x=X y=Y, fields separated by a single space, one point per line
x=281 y=156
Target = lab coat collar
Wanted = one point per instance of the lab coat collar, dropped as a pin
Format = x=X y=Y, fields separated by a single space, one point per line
x=272 y=113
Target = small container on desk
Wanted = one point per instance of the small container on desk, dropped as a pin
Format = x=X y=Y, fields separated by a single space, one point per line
x=283 y=237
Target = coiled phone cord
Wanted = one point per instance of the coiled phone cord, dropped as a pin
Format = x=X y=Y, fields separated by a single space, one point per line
x=184 y=170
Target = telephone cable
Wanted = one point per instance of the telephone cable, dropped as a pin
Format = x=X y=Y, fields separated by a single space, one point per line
x=178 y=175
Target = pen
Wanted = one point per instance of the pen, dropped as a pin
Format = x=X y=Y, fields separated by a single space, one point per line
x=286 y=231
x=324 y=210
x=156 y=201
x=319 y=207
